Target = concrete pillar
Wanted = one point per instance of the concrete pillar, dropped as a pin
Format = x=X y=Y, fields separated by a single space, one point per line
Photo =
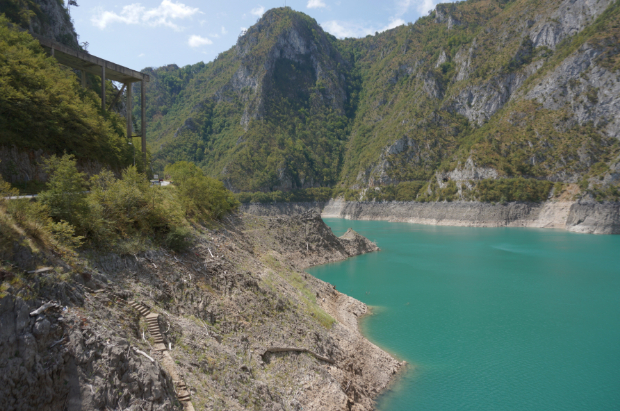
x=83 y=75
x=143 y=106
x=129 y=109
x=103 y=87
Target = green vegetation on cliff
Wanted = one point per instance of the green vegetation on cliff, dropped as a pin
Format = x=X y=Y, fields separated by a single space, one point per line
x=480 y=82
x=44 y=107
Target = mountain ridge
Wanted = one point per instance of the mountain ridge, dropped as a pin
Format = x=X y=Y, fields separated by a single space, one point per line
x=477 y=89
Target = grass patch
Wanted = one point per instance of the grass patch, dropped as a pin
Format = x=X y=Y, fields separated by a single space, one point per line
x=306 y=294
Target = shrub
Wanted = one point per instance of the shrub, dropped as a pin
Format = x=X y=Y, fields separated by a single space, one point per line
x=65 y=195
x=178 y=239
x=6 y=190
x=129 y=207
x=65 y=234
x=408 y=191
x=201 y=196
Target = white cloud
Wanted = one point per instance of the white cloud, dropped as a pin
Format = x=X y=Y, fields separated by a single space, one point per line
x=197 y=41
x=141 y=55
x=394 y=22
x=421 y=6
x=135 y=13
x=258 y=11
x=224 y=30
x=315 y=4
x=343 y=29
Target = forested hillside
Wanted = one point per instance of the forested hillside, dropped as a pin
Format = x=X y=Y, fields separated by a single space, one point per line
x=484 y=99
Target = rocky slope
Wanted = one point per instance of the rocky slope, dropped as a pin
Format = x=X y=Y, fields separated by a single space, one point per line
x=244 y=326
x=477 y=90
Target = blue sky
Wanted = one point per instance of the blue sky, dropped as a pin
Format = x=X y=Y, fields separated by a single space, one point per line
x=153 y=33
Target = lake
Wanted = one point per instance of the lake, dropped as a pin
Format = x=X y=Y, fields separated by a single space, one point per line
x=489 y=318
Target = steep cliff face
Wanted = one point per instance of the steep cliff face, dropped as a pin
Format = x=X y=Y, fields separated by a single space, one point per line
x=266 y=49
x=54 y=22
x=530 y=64
x=47 y=18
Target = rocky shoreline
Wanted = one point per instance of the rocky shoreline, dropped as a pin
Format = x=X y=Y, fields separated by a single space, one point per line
x=243 y=326
x=580 y=216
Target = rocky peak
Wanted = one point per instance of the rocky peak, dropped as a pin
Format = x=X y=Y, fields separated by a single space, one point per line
x=294 y=48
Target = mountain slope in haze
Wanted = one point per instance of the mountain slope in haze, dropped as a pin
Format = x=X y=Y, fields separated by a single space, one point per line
x=477 y=90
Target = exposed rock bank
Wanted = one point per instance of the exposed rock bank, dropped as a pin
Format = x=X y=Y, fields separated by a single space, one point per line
x=581 y=216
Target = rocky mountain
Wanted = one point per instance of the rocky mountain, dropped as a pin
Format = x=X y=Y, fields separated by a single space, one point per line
x=477 y=91
x=47 y=18
x=273 y=108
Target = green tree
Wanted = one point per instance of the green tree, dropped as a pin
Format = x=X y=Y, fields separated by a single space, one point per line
x=66 y=190
x=201 y=196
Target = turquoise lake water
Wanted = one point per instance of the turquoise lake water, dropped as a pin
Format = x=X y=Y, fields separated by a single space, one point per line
x=490 y=318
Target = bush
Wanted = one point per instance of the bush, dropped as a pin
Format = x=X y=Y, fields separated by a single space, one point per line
x=201 y=196
x=178 y=239
x=6 y=190
x=129 y=207
x=65 y=195
x=408 y=191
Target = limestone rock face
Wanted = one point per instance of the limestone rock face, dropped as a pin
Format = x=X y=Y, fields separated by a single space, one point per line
x=47 y=362
x=54 y=23
x=594 y=218
x=478 y=103
x=590 y=91
x=296 y=44
x=569 y=18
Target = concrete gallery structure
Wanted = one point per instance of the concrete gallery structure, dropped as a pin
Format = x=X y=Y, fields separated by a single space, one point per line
x=87 y=63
